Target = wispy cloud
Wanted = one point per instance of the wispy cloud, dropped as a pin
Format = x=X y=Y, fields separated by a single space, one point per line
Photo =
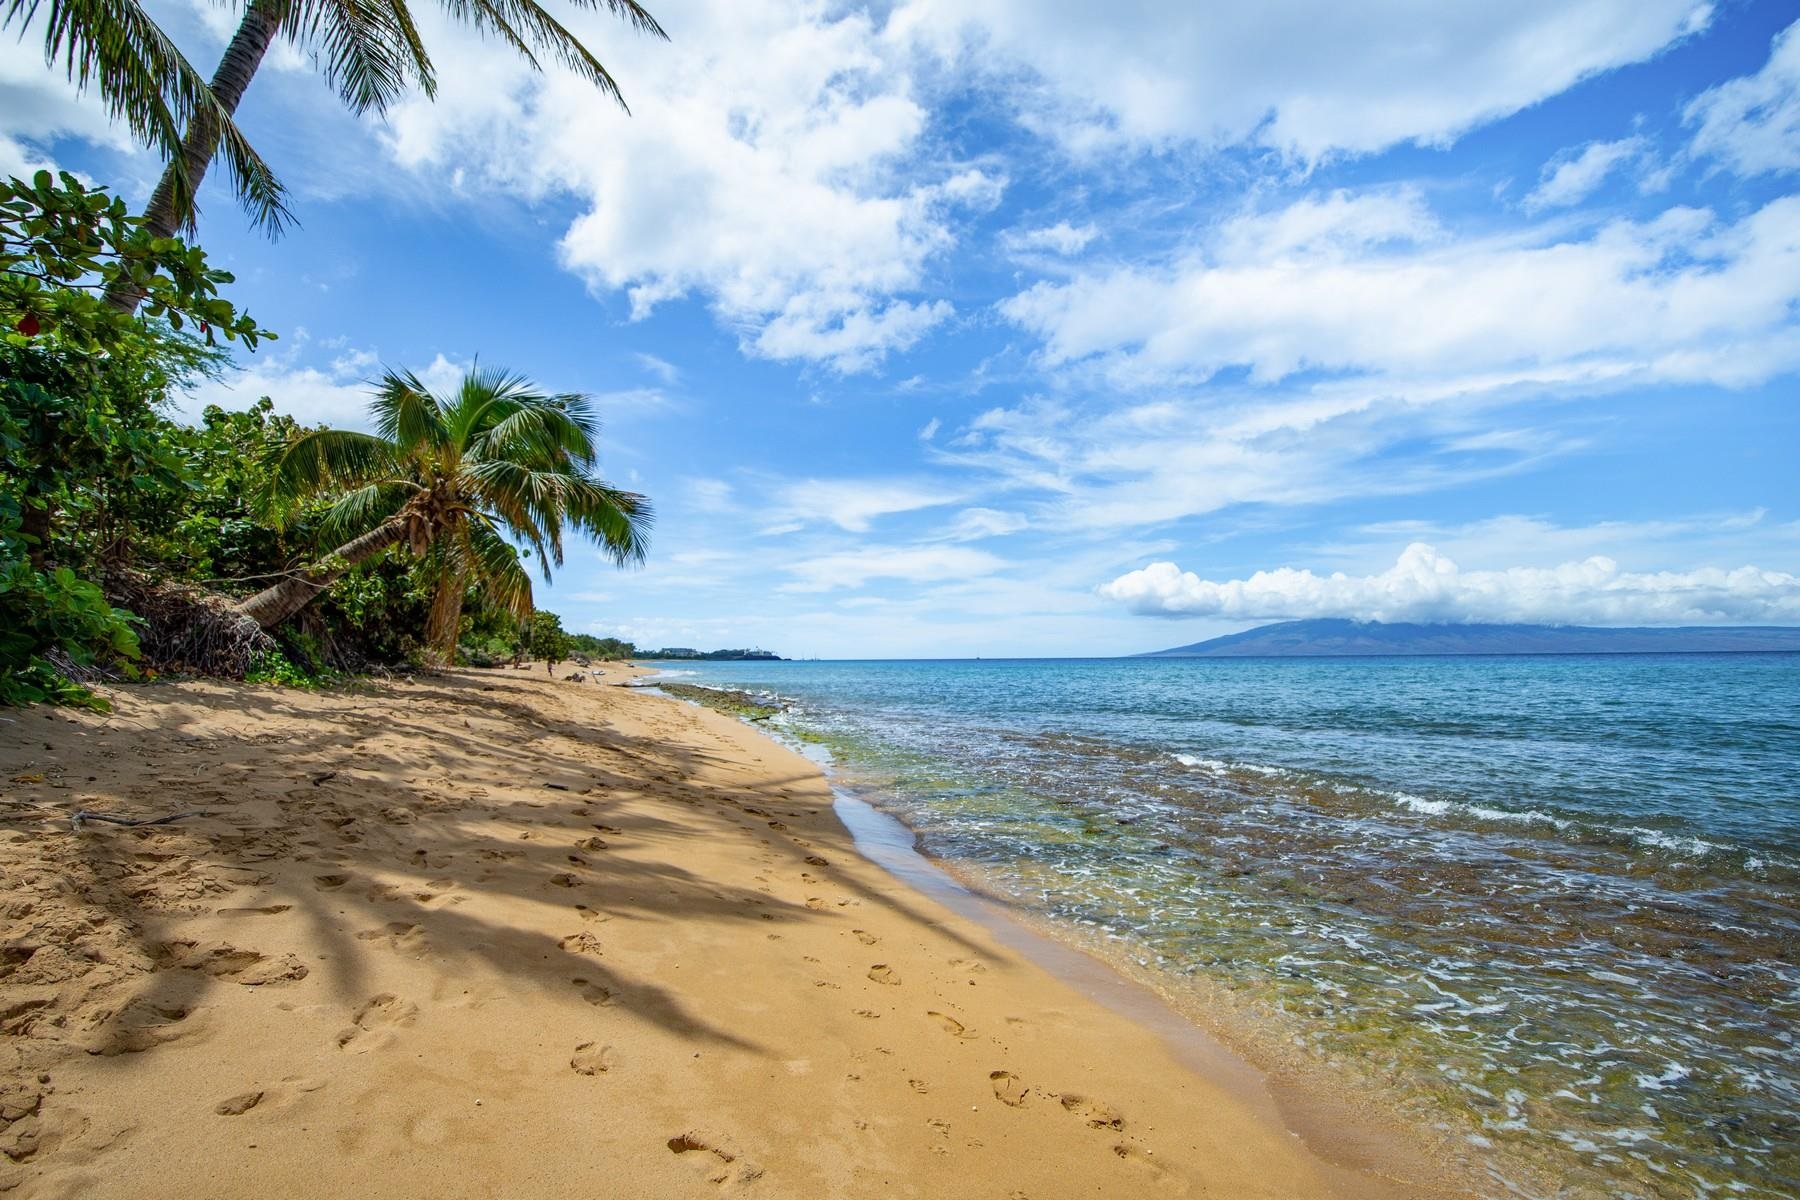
x=1752 y=125
x=909 y=564
x=855 y=504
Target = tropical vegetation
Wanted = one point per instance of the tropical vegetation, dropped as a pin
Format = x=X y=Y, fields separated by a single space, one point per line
x=452 y=477
x=251 y=545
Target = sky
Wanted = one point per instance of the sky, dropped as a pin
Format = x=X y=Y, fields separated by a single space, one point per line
x=1039 y=327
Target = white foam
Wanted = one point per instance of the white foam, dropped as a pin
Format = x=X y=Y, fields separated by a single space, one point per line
x=1220 y=767
x=1419 y=804
x=1674 y=1073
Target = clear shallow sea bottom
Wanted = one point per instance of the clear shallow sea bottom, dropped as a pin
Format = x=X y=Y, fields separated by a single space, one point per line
x=1552 y=900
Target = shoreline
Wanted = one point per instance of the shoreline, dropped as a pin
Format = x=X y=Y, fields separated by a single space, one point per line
x=1355 y=1125
x=489 y=934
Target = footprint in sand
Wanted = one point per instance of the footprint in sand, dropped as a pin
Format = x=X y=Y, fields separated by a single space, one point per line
x=375 y=1021
x=1096 y=1114
x=721 y=1160
x=330 y=883
x=223 y=961
x=816 y=861
x=141 y=1025
x=564 y=880
x=580 y=943
x=401 y=935
x=882 y=973
x=593 y=993
x=950 y=1024
x=865 y=937
x=1009 y=1089
x=591 y=1058
x=238 y=1105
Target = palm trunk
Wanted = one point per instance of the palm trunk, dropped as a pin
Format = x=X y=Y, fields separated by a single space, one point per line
x=445 y=621
x=34 y=524
x=169 y=207
x=273 y=605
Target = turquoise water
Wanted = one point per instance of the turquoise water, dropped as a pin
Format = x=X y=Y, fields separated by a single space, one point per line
x=1551 y=899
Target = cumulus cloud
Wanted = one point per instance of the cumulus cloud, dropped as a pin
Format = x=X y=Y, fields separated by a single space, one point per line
x=1424 y=585
x=38 y=106
x=1371 y=283
x=912 y=564
x=1571 y=178
x=1306 y=78
x=792 y=188
x=1752 y=124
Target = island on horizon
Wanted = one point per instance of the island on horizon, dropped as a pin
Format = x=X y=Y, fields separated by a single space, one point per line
x=1342 y=637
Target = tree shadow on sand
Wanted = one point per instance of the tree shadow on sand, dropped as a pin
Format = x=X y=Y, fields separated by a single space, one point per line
x=358 y=816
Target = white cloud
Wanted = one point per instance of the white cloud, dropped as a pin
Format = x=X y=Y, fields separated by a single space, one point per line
x=663 y=369
x=1571 y=178
x=1752 y=124
x=930 y=429
x=1303 y=77
x=335 y=394
x=1424 y=585
x=912 y=564
x=853 y=504
x=789 y=186
x=39 y=106
x=1060 y=238
x=972 y=524
x=711 y=495
x=1371 y=284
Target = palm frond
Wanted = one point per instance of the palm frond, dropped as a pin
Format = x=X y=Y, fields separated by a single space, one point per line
x=149 y=86
x=530 y=29
x=368 y=50
x=407 y=414
x=494 y=565
x=554 y=431
x=619 y=520
x=361 y=509
x=324 y=460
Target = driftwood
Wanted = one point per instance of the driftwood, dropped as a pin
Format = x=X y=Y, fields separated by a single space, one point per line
x=82 y=816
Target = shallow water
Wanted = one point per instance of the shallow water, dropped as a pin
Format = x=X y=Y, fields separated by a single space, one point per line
x=1552 y=899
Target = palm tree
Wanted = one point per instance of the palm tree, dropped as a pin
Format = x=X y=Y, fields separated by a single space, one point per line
x=454 y=476
x=148 y=84
x=369 y=53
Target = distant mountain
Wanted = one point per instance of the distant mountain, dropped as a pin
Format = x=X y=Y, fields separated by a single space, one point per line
x=1293 y=639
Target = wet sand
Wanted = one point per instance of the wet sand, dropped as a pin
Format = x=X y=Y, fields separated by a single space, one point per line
x=485 y=934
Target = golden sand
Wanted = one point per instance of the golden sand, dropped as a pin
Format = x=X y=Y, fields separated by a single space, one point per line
x=485 y=934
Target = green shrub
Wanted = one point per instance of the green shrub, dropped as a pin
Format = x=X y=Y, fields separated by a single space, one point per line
x=51 y=621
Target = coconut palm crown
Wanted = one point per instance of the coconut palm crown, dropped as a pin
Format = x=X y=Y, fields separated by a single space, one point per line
x=455 y=477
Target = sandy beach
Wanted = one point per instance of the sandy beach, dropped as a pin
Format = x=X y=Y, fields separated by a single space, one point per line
x=485 y=934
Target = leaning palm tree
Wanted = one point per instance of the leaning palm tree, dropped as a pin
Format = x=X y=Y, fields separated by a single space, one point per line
x=148 y=85
x=369 y=52
x=455 y=477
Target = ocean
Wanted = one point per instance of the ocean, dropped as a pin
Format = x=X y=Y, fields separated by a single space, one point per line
x=1548 y=904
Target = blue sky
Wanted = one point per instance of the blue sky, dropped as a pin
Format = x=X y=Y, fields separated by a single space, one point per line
x=1004 y=327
